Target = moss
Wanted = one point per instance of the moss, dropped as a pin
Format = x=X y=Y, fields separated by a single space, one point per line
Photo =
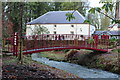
x=52 y=55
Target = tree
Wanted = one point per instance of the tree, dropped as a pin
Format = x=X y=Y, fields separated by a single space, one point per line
x=94 y=19
x=11 y=13
x=32 y=10
x=57 y=6
x=107 y=7
x=80 y=6
x=40 y=30
x=17 y=14
x=105 y=22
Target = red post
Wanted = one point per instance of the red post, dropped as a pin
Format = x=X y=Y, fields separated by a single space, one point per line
x=8 y=45
x=95 y=44
x=102 y=39
x=105 y=38
x=107 y=42
x=15 y=44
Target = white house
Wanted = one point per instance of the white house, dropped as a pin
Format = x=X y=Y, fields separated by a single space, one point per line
x=115 y=34
x=56 y=23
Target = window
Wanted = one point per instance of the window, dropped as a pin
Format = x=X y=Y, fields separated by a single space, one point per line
x=80 y=29
x=55 y=26
x=72 y=25
x=54 y=32
x=72 y=32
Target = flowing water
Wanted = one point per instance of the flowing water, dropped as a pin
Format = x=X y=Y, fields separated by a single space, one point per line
x=78 y=70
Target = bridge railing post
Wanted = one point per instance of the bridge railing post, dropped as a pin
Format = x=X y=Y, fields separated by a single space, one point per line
x=15 y=44
x=3 y=44
x=95 y=44
x=105 y=41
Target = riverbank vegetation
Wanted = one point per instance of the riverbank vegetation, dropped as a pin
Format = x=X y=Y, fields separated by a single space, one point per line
x=30 y=70
x=105 y=61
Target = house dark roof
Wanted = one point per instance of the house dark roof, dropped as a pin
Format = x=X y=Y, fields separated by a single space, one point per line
x=58 y=17
x=118 y=25
x=108 y=32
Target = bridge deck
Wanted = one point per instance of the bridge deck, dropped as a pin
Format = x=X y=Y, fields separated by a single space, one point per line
x=60 y=48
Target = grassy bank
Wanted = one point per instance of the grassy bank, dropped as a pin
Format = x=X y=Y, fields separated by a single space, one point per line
x=105 y=61
x=32 y=67
x=54 y=55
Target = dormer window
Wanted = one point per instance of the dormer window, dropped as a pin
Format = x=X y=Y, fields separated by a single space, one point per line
x=72 y=25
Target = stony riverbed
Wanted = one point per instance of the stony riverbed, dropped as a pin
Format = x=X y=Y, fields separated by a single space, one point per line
x=78 y=70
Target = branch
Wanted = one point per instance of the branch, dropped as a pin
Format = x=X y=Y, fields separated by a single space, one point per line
x=115 y=2
x=106 y=15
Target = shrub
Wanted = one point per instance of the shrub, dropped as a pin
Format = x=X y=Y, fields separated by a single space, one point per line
x=116 y=50
x=66 y=50
x=70 y=54
x=113 y=41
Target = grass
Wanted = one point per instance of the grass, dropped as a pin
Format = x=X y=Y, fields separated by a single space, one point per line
x=27 y=60
x=53 y=55
x=105 y=61
x=116 y=50
x=109 y=62
x=104 y=46
x=9 y=59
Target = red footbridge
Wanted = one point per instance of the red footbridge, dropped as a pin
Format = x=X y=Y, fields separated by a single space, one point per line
x=48 y=42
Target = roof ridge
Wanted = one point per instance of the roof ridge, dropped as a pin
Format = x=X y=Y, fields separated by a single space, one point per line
x=62 y=11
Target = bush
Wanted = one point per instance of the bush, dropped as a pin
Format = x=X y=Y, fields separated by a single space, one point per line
x=64 y=50
x=70 y=54
x=116 y=50
x=113 y=41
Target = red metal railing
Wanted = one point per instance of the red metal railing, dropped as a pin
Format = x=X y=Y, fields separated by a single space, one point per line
x=10 y=44
x=35 y=42
x=64 y=40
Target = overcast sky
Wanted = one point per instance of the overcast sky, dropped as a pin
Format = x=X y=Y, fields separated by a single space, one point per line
x=95 y=3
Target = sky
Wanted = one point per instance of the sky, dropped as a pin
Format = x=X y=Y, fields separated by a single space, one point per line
x=95 y=3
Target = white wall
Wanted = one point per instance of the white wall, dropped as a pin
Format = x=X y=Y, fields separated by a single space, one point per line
x=82 y=29
x=92 y=29
x=29 y=29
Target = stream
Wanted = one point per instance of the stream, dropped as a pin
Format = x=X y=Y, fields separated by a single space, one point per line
x=77 y=70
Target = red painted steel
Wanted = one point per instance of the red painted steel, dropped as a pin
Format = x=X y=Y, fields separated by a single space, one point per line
x=11 y=44
x=35 y=51
x=47 y=42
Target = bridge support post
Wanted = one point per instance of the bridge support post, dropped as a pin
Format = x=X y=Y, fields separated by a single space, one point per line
x=15 y=44
x=95 y=44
